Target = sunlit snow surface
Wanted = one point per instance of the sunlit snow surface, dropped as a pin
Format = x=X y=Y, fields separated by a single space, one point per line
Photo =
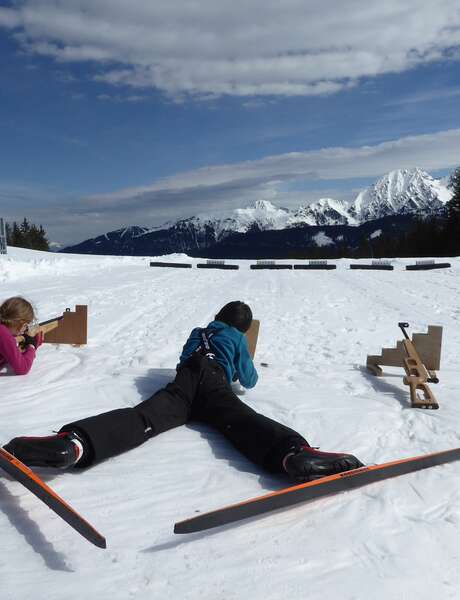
x=397 y=539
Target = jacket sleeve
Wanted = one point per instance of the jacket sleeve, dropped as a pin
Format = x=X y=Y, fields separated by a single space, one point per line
x=20 y=362
x=245 y=369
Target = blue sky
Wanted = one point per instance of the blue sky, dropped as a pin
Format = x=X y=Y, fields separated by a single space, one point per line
x=116 y=113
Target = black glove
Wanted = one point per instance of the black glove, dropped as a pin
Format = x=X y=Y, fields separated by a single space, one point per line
x=29 y=340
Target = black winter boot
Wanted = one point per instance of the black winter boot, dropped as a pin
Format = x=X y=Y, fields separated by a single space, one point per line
x=60 y=451
x=305 y=463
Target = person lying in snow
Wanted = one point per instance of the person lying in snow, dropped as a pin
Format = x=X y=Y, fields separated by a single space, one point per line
x=211 y=359
x=16 y=314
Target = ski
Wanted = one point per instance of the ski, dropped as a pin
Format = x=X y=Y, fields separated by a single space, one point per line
x=21 y=473
x=314 y=489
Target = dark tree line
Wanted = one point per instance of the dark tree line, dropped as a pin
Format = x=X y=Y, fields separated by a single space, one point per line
x=26 y=235
x=452 y=229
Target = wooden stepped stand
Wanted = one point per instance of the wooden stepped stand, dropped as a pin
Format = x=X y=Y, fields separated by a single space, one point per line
x=420 y=358
x=251 y=335
x=72 y=327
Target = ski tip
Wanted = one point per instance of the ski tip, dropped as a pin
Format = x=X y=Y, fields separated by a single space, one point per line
x=186 y=527
x=100 y=541
x=178 y=528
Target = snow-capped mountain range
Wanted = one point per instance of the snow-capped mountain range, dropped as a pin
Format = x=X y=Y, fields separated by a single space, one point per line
x=400 y=193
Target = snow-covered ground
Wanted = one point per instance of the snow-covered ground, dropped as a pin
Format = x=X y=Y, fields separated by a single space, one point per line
x=397 y=539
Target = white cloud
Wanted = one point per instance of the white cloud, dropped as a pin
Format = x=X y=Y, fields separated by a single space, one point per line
x=9 y=18
x=240 y=47
x=429 y=96
x=435 y=151
x=119 y=99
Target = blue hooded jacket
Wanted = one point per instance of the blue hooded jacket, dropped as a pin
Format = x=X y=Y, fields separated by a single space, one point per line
x=231 y=349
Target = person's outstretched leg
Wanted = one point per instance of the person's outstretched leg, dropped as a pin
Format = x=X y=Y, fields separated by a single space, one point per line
x=264 y=441
x=87 y=441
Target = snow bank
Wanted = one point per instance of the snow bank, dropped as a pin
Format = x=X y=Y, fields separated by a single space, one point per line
x=395 y=539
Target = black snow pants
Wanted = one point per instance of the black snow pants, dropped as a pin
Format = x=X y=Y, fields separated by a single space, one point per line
x=199 y=392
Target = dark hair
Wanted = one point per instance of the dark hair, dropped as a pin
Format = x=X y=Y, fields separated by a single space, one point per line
x=237 y=314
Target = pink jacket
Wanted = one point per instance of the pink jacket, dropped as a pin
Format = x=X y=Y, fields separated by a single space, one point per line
x=20 y=362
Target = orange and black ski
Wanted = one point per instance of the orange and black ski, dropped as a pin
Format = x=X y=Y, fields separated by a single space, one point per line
x=313 y=489
x=33 y=483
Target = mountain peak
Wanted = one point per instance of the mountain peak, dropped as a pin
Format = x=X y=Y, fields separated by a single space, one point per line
x=262 y=214
x=265 y=205
x=401 y=191
x=326 y=211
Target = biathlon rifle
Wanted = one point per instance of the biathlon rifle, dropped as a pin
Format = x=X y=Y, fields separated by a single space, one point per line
x=417 y=375
x=42 y=327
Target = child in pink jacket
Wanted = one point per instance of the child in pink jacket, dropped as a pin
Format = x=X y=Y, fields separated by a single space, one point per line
x=16 y=314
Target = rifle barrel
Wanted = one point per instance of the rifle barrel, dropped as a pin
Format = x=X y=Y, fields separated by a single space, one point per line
x=51 y=320
x=403 y=326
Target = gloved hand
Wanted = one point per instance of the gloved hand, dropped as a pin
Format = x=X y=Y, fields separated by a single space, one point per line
x=39 y=339
x=34 y=341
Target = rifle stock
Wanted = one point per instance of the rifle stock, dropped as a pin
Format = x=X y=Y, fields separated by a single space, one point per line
x=416 y=378
x=42 y=327
x=419 y=357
